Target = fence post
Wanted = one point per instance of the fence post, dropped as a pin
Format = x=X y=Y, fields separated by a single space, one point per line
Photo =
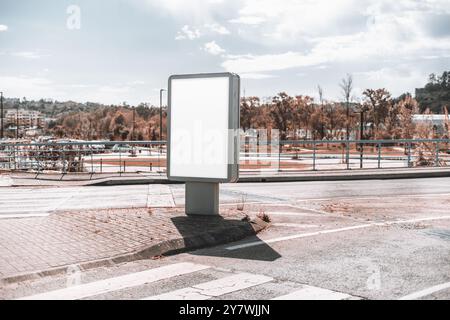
x=314 y=155
x=437 y=154
x=279 y=155
x=379 y=155
x=409 y=154
x=63 y=157
x=347 y=156
x=15 y=157
x=361 y=155
x=120 y=162
x=38 y=162
x=92 y=162
x=101 y=165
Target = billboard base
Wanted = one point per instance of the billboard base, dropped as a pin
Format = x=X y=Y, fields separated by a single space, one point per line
x=202 y=198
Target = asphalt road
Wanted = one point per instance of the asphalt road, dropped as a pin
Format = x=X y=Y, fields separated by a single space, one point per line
x=330 y=240
x=26 y=201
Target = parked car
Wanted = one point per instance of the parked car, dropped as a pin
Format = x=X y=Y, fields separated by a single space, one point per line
x=122 y=148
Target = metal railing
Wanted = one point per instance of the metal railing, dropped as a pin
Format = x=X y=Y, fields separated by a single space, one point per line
x=84 y=157
x=363 y=154
x=256 y=156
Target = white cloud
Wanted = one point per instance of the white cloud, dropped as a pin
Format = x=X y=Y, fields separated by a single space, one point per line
x=256 y=76
x=269 y=62
x=396 y=80
x=3 y=27
x=28 y=54
x=191 y=33
x=30 y=87
x=213 y=48
x=41 y=87
x=192 y=11
x=188 y=33
x=109 y=94
x=137 y=83
x=248 y=20
x=390 y=33
x=217 y=28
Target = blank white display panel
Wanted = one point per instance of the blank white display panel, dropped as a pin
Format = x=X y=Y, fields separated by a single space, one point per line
x=199 y=127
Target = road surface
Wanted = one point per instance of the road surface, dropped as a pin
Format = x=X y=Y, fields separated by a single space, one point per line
x=26 y=201
x=328 y=240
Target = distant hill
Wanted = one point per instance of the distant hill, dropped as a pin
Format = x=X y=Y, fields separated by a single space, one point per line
x=50 y=108
x=436 y=93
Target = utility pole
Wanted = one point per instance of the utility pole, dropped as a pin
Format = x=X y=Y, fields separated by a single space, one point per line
x=17 y=120
x=160 y=114
x=1 y=115
x=160 y=118
x=134 y=124
x=361 y=137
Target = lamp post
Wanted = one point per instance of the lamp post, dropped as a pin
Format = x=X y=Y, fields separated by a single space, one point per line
x=361 y=137
x=17 y=121
x=1 y=115
x=160 y=117
x=133 y=137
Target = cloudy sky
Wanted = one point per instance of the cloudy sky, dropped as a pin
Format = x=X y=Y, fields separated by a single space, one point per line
x=124 y=50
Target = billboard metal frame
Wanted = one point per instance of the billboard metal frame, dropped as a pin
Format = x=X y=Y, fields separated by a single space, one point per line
x=233 y=126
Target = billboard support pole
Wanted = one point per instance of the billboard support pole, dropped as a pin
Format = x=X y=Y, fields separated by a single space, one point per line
x=202 y=198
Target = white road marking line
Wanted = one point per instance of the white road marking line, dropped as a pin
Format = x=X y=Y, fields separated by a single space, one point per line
x=295 y=236
x=287 y=213
x=314 y=293
x=312 y=234
x=118 y=283
x=29 y=215
x=294 y=225
x=214 y=288
x=426 y=292
x=422 y=195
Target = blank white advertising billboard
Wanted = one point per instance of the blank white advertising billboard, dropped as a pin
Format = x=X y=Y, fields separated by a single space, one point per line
x=203 y=124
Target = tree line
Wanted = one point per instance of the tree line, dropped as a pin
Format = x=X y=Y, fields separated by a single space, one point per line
x=296 y=117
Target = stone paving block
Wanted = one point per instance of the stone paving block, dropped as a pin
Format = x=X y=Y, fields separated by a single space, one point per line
x=31 y=244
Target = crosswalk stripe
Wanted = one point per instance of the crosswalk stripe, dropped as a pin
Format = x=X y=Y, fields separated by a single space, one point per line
x=24 y=215
x=214 y=288
x=426 y=292
x=313 y=293
x=118 y=283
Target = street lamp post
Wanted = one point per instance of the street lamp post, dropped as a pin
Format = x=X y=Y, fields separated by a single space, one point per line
x=1 y=115
x=160 y=117
x=17 y=120
x=361 y=137
x=133 y=137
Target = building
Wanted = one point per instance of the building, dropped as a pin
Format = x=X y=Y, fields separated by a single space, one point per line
x=27 y=119
x=436 y=120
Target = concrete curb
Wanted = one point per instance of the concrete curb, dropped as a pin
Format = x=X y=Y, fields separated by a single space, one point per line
x=352 y=175
x=282 y=177
x=169 y=247
x=358 y=176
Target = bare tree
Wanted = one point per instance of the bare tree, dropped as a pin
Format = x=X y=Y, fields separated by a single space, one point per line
x=322 y=119
x=347 y=88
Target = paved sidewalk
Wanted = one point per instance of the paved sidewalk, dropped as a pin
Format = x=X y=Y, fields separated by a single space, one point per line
x=31 y=245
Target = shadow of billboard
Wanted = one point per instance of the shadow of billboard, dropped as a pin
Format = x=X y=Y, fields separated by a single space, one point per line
x=210 y=234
